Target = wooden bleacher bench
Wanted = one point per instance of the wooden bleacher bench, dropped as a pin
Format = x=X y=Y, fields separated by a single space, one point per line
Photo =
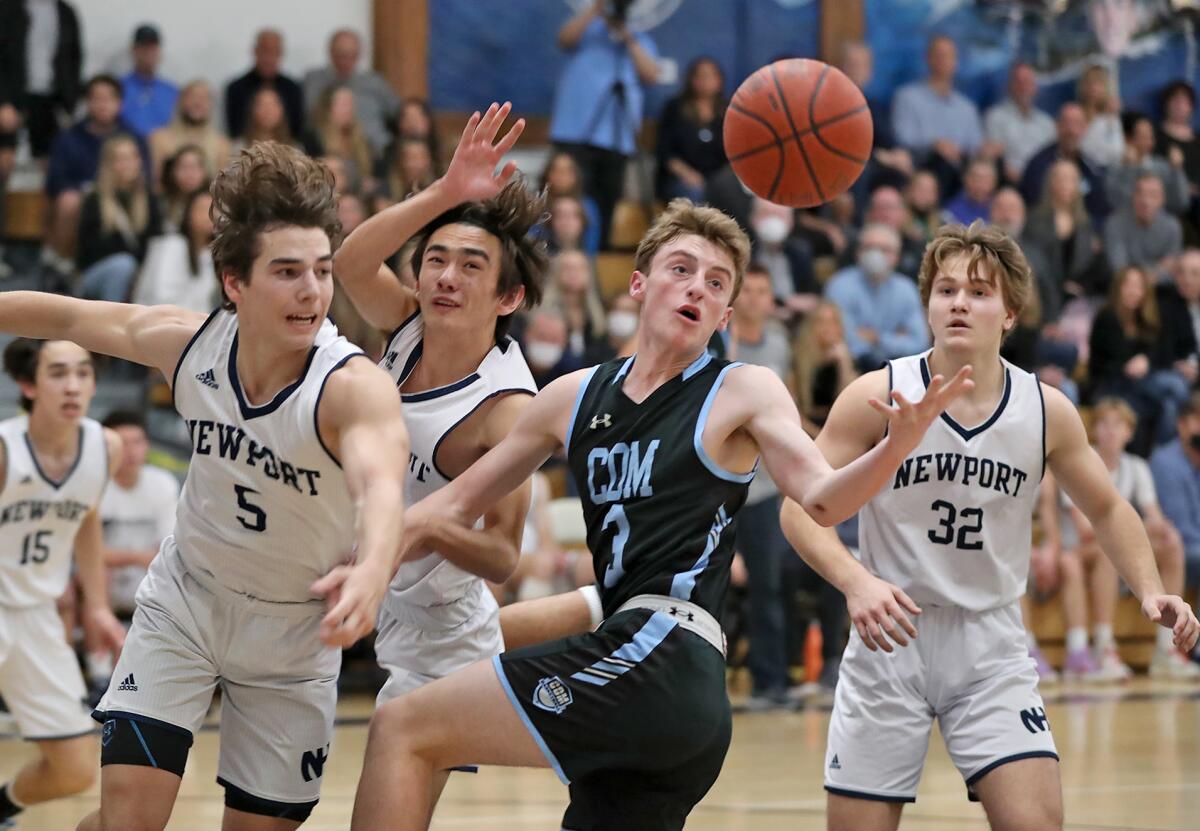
x=24 y=215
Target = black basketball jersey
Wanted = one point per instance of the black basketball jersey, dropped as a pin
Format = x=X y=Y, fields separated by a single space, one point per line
x=661 y=515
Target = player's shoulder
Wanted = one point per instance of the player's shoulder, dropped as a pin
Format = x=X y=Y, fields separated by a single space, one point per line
x=356 y=374
x=113 y=446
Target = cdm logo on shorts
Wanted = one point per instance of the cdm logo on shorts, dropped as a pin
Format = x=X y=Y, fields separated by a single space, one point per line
x=552 y=695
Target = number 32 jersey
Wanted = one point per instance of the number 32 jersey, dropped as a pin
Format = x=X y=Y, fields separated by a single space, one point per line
x=954 y=527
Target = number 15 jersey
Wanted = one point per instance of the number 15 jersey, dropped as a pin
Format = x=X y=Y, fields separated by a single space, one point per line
x=954 y=526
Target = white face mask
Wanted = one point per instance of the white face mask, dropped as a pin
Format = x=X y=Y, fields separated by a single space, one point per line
x=771 y=230
x=543 y=354
x=874 y=262
x=622 y=324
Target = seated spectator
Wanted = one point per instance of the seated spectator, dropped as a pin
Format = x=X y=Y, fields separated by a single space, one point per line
x=885 y=206
x=1139 y=158
x=690 y=133
x=336 y=131
x=824 y=365
x=183 y=175
x=191 y=125
x=1066 y=243
x=116 y=221
x=924 y=207
x=178 y=269
x=410 y=170
x=1178 y=106
x=148 y=100
x=1127 y=359
x=785 y=257
x=567 y=228
x=573 y=294
x=561 y=177
x=1103 y=140
x=41 y=59
x=974 y=201
x=756 y=336
x=74 y=159
x=1176 y=470
x=1071 y=126
x=1017 y=124
x=545 y=346
x=1144 y=234
x=1179 y=308
x=266 y=121
x=268 y=57
x=621 y=328
x=880 y=307
x=889 y=164
x=374 y=100
x=416 y=121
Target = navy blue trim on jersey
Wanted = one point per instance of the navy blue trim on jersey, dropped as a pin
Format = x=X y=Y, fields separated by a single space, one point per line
x=697 y=365
x=888 y=400
x=454 y=426
x=410 y=363
x=971 y=433
x=653 y=632
x=698 y=437
x=873 y=797
x=401 y=327
x=1032 y=754
x=61 y=737
x=249 y=411
x=624 y=369
x=104 y=715
x=583 y=387
x=683 y=584
x=529 y=725
x=438 y=392
x=188 y=348
x=38 y=467
x=1042 y=401
x=317 y=406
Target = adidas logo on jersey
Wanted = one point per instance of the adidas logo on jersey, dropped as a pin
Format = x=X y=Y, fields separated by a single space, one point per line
x=128 y=685
x=601 y=421
x=835 y=764
x=208 y=378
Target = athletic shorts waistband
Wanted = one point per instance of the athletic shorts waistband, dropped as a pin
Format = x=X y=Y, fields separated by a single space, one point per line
x=686 y=615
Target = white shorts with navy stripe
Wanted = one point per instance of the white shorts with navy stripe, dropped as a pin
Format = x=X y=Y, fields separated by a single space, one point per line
x=39 y=675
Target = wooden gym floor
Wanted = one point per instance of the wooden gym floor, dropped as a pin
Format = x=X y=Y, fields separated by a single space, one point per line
x=1131 y=760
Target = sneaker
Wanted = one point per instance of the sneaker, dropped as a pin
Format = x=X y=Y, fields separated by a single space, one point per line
x=1111 y=667
x=764 y=702
x=1172 y=666
x=1046 y=673
x=1079 y=665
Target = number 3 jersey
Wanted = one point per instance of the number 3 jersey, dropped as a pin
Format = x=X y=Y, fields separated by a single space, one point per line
x=265 y=510
x=954 y=527
x=40 y=517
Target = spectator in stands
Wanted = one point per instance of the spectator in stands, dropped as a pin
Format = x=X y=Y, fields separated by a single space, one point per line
x=880 y=307
x=266 y=121
x=786 y=258
x=974 y=201
x=561 y=177
x=599 y=100
x=725 y=192
x=886 y=206
x=621 y=326
x=1144 y=234
x=416 y=121
x=573 y=294
x=1176 y=469
x=268 y=57
x=1179 y=308
x=1066 y=243
x=889 y=164
x=1178 y=106
x=923 y=197
x=1139 y=158
x=178 y=269
x=567 y=229
x=374 y=100
x=1017 y=123
x=41 y=60
x=690 y=133
x=74 y=158
x=191 y=125
x=545 y=346
x=824 y=365
x=337 y=131
x=1071 y=126
x=148 y=100
x=410 y=170
x=117 y=220
x=183 y=175
x=937 y=124
x=1103 y=140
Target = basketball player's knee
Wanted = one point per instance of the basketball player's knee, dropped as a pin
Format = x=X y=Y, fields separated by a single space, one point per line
x=74 y=772
x=1031 y=815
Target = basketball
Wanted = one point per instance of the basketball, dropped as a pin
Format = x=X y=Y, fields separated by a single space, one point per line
x=798 y=132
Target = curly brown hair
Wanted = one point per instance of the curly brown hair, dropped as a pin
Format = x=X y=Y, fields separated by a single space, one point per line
x=682 y=217
x=992 y=257
x=509 y=216
x=268 y=186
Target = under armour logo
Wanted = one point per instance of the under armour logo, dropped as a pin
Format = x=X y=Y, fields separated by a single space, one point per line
x=601 y=421
x=677 y=612
x=208 y=378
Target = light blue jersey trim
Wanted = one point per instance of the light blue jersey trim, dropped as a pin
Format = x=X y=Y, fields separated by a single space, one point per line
x=684 y=584
x=624 y=369
x=533 y=731
x=575 y=411
x=652 y=633
x=698 y=439
x=697 y=365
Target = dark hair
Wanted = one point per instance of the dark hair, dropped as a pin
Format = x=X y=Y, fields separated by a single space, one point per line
x=268 y=186
x=757 y=267
x=1190 y=407
x=103 y=78
x=185 y=230
x=124 y=418
x=170 y=190
x=688 y=98
x=435 y=148
x=509 y=216
x=1129 y=122
x=21 y=361
x=1169 y=92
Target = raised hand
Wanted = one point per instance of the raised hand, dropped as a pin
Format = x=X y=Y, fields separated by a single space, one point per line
x=908 y=421
x=472 y=173
x=1172 y=612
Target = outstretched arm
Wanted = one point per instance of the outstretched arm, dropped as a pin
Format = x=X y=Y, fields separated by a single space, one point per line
x=375 y=291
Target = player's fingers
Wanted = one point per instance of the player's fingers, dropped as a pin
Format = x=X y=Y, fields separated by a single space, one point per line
x=484 y=122
x=902 y=403
x=878 y=637
x=883 y=409
x=960 y=383
x=886 y=624
x=906 y=601
x=865 y=636
x=498 y=121
x=506 y=174
x=510 y=138
x=469 y=129
x=323 y=585
x=898 y=615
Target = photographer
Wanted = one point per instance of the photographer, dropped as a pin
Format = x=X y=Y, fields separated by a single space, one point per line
x=599 y=101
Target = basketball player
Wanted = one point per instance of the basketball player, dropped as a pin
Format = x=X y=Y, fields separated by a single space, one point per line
x=54 y=464
x=664 y=444
x=952 y=532
x=298 y=455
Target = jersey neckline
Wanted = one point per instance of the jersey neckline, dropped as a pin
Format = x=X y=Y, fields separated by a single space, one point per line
x=38 y=465
x=247 y=409
x=969 y=433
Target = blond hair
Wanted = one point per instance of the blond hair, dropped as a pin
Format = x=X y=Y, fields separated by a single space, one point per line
x=681 y=218
x=1113 y=406
x=992 y=257
x=351 y=145
x=129 y=221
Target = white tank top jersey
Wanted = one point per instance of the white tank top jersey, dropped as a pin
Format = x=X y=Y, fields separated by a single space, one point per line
x=429 y=417
x=40 y=517
x=265 y=510
x=954 y=527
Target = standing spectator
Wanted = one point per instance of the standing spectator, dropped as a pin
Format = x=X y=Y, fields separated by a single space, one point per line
x=183 y=175
x=117 y=220
x=824 y=365
x=337 y=131
x=41 y=58
x=374 y=99
x=572 y=293
x=599 y=100
x=785 y=257
x=191 y=125
x=266 y=121
x=1067 y=243
x=148 y=99
x=1144 y=234
x=939 y=125
x=1103 y=140
x=268 y=57
x=561 y=177
x=881 y=307
x=690 y=133
x=1179 y=308
x=1139 y=157
x=1017 y=123
x=1176 y=470
x=974 y=201
x=1071 y=126
x=1178 y=106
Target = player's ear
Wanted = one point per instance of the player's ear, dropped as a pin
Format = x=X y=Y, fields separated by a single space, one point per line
x=637 y=285
x=510 y=301
x=233 y=285
x=723 y=324
x=28 y=389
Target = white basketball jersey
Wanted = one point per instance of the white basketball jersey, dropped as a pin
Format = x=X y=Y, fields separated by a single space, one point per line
x=265 y=510
x=954 y=527
x=429 y=417
x=40 y=517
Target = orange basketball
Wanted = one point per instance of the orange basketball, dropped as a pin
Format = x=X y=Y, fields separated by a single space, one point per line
x=798 y=132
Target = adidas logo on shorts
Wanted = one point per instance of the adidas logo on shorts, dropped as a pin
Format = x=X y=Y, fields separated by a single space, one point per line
x=208 y=378
x=834 y=765
x=128 y=685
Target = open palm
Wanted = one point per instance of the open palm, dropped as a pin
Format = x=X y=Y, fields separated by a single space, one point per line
x=472 y=173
